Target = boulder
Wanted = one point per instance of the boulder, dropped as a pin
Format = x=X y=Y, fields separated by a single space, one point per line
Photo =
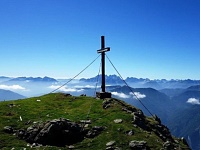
x=168 y=145
x=139 y=145
x=8 y=129
x=96 y=130
x=106 y=104
x=57 y=132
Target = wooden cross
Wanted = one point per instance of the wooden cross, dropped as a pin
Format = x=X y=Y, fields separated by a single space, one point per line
x=103 y=49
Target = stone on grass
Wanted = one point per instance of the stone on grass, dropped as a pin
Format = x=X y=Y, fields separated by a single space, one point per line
x=137 y=144
x=111 y=143
x=118 y=120
x=8 y=129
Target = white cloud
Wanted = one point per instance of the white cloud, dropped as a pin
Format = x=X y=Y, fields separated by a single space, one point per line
x=138 y=95
x=11 y=87
x=193 y=101
x=85 y=86
x=65 y=89
x=121 y=95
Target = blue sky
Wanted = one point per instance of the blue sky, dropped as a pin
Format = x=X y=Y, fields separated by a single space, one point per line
x=153 y=39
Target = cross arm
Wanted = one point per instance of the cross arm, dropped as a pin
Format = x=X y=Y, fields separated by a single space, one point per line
x=103 y=50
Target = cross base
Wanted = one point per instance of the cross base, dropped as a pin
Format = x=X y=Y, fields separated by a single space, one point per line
x=103 y=95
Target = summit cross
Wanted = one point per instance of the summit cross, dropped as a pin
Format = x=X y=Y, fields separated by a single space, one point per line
x=103 y=49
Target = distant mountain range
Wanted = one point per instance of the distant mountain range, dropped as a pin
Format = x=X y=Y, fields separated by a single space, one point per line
x=27 y=79
x=3 y=78
x=28 y=86
x=116 y=80
x=145 y=82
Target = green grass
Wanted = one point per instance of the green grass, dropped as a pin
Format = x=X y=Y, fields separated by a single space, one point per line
x=52 y=106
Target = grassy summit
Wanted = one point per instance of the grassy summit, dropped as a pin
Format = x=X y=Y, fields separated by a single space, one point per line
x=21 y=114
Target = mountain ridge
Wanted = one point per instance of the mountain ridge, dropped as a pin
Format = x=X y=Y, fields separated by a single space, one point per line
x=110 y=124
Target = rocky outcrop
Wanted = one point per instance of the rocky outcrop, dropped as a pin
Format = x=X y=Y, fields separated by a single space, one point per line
x=57 y=132
x=141 y=121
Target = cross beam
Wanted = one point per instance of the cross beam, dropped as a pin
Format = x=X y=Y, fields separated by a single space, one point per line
x=103 y=49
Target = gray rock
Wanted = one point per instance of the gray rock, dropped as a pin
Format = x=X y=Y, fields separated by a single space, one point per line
x=106 y=104
x=118 y=120
x=111 y=143
x=168 y=145
x=57 y=132
x=157 y=119
x=92 y=133
x=110 y=148
x=138 y=144
x=96 y=130
x=71 y=147
x=8 y=129
x=126 y=110
x=130 y=132
x=86 y=121
x=21 y=133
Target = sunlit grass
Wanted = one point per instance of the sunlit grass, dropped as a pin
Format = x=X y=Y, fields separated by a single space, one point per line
x=52 y=106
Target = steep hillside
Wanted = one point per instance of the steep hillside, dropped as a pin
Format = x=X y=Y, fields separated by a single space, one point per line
x=9 y=95
x=158 y=103
x=80 y=123
x=185 y=123
x=172 y=92
x=194 y=88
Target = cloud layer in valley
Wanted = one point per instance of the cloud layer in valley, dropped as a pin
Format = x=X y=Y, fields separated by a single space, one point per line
x=65 y=88
x=11 y=87
x=86 y=86
x=136 y=95
x=193 y=101
x=121 y=95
